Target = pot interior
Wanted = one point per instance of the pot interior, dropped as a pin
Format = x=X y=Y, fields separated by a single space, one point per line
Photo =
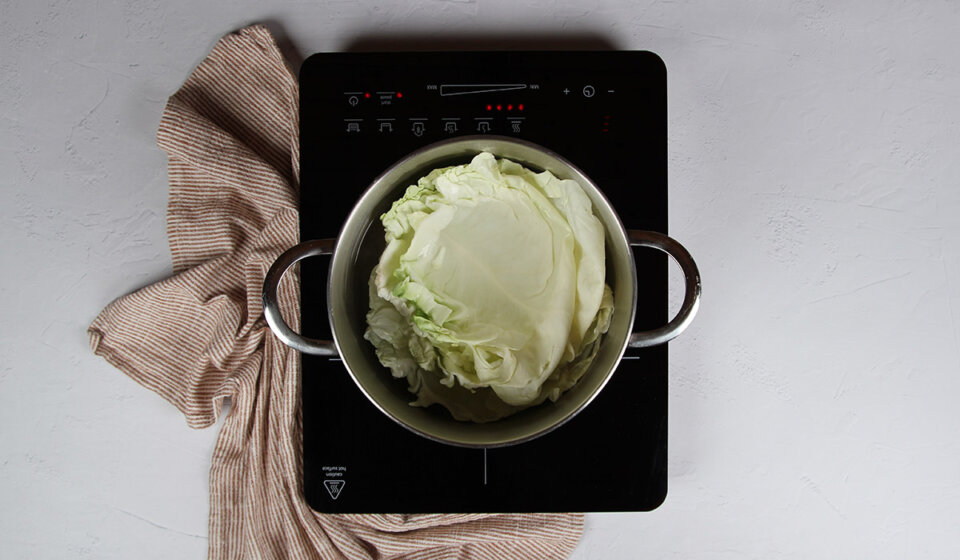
x=359 y=247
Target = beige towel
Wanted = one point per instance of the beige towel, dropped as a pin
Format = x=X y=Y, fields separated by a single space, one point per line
x=199 y=337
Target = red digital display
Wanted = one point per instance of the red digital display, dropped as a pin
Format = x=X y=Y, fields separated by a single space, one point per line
x=501 y=107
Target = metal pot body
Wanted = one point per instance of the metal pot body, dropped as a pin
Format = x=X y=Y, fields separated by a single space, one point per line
x=358 y=248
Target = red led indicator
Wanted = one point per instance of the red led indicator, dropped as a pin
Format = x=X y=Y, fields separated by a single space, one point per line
x=366 y=95
x=508 y=107
x=399 y=95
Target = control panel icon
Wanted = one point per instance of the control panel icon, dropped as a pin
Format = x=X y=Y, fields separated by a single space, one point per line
x=353 y=126
x=589 y=91
x=483 y=126
x=418 y=128
x=386 y=126
x=450 y=127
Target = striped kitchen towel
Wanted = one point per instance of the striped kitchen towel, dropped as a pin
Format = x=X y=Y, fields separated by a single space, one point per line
x=199 y=337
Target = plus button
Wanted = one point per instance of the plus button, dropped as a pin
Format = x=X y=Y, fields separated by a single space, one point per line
x=566 y=91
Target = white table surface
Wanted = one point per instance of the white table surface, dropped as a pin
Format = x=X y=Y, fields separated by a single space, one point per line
x=814 y=173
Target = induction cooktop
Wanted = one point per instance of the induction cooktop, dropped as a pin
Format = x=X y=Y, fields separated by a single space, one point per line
x=605 y=111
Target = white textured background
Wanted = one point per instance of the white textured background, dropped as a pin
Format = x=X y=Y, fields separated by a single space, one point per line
x=814 y=173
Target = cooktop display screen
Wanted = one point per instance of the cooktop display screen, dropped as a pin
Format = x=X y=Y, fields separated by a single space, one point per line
x=603 y=111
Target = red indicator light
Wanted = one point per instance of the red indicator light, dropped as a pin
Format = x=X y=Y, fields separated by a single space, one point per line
x=499 y=107
x=489 y=107
x=366 y=95
x=520 y=107
x=509 y=107
x=399 y=95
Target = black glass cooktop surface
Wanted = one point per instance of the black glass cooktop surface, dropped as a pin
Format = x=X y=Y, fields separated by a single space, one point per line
x=605 y=112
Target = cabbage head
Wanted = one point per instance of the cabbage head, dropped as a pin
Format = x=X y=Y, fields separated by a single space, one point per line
x=490 y=295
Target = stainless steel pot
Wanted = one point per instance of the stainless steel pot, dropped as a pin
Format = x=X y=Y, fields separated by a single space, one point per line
x=358 y=248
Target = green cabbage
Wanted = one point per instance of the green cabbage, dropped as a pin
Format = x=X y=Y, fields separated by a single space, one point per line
x=490 y=295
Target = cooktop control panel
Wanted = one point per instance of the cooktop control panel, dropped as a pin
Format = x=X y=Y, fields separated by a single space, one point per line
x=437 y=110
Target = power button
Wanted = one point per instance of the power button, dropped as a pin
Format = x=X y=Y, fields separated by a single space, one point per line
x=588 y=91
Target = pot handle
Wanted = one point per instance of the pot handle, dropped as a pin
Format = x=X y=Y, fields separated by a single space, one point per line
x=271 y=308
x=691 y=298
